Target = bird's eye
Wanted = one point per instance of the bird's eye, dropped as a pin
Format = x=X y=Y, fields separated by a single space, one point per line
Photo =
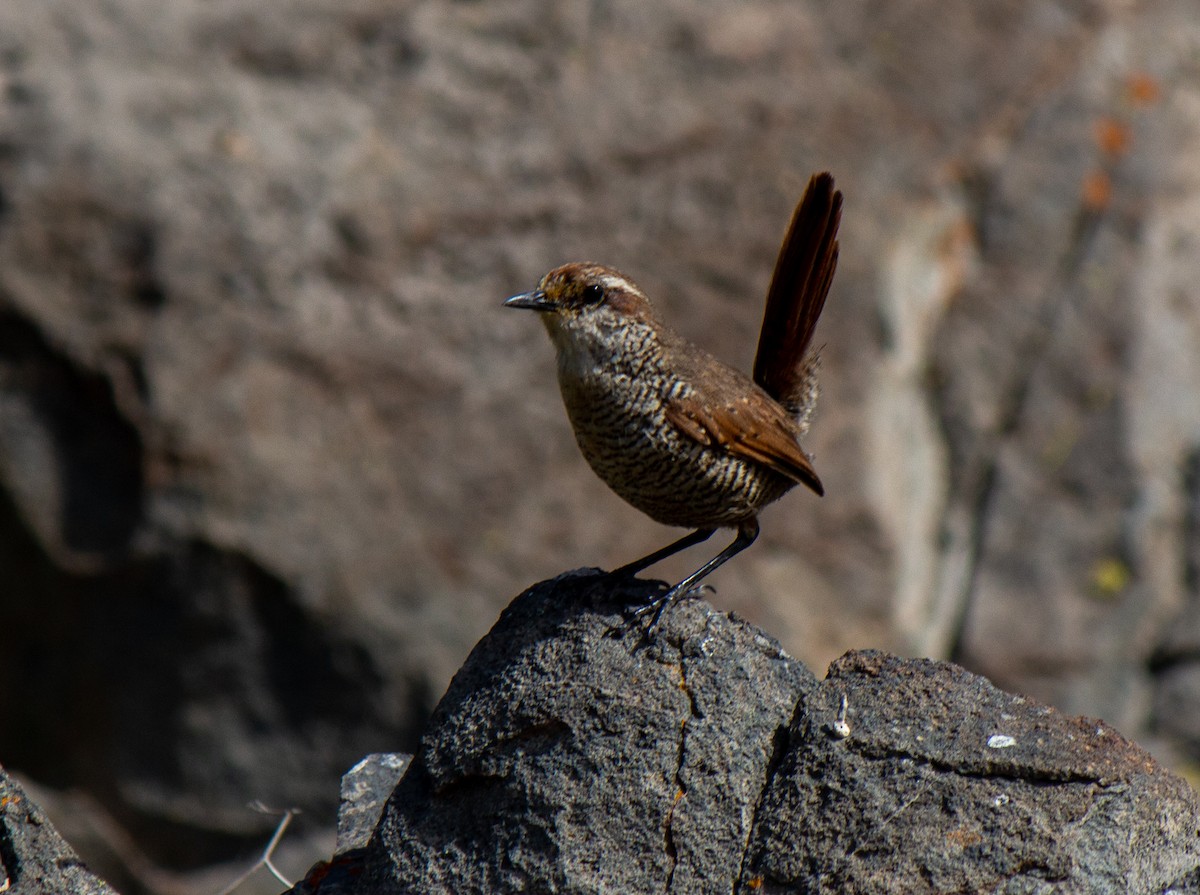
x=593 y=294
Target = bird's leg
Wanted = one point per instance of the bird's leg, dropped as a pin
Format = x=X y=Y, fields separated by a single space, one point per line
x=698 y=536
x=747 y=533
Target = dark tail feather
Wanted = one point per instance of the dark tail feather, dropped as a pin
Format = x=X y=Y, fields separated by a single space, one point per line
x=801 y=281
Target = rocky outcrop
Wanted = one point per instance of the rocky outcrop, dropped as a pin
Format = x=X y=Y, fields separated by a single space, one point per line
x=573 y=754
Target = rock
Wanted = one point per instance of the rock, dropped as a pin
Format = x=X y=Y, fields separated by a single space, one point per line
x=568 y=754
x=571 y=754
x=365 y=790
x=34 y=859
x=947 y=784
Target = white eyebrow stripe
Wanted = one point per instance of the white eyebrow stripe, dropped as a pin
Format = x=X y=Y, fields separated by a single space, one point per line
x=611 y=281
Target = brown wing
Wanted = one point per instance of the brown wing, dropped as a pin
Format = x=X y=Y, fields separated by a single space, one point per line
x=750 y=425
x=799 y=285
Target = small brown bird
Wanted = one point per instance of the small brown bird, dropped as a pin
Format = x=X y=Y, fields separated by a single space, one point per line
x=686 y=439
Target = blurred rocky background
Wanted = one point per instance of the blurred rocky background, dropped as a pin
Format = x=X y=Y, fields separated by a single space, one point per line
x=272 y=458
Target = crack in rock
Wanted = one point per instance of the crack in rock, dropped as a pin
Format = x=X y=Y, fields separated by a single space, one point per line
x=680 y=789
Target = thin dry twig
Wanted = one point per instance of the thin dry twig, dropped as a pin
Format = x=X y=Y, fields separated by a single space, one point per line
x=264 y=860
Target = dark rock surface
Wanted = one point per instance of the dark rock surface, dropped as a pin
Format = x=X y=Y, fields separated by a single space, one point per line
x=572 y=755
x=566 y=756
x=34 y=859
x=947 y=784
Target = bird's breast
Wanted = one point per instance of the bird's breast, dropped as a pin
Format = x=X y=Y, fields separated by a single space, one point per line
x=617 y=407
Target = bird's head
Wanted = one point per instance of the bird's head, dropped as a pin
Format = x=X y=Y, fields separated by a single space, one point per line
x=580 y=300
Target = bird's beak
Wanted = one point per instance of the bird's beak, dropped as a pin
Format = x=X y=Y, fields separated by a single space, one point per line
x=534 y=301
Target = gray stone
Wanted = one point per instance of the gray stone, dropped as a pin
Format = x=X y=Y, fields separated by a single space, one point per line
x=365 y=790
x=572 y=754
x=568 y=755
x=34 y=859
x=947 y=784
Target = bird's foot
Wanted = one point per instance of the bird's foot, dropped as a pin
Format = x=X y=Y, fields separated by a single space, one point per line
x=659 y=606
x=633 y=617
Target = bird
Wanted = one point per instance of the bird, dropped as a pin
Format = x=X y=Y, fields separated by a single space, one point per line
x=680 y=435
